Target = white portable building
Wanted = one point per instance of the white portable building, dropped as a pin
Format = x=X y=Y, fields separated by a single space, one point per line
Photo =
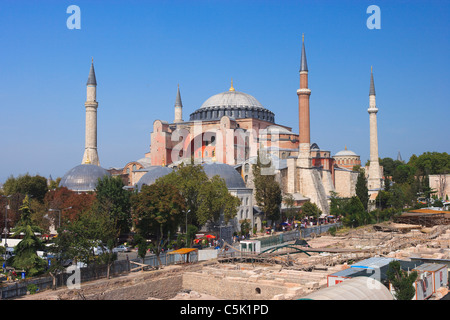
x=423 y=287
x=253 y=246
x=439 y=273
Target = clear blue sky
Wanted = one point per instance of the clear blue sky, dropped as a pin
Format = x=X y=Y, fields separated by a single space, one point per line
x=143 y=49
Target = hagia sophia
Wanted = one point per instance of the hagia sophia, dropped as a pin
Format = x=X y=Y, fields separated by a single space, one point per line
x=226 y=134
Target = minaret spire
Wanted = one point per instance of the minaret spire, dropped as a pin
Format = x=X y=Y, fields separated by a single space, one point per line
x=303 y=63
x=178 y=107
x=372 y=84
x=91 y=79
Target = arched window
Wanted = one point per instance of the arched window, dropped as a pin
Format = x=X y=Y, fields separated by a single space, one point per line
x=134 y=167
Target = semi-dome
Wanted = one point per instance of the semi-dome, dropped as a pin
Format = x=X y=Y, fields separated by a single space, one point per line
x=83 y=178
x=235 y=104
x=232 y=178
x=150 y=177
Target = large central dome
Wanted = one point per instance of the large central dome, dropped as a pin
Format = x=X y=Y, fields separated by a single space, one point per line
x=232 y=99
x=234 y=104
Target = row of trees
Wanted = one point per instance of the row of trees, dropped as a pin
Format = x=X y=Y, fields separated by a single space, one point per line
x=157 y=212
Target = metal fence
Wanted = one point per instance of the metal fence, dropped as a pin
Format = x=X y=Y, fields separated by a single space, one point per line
x=307 y=232
x=295 y=234
x=93 y=272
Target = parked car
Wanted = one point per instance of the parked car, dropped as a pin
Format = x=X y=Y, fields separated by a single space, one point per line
x=100 y=250
x=121 y=248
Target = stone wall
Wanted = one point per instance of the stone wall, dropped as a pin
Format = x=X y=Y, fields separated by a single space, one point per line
x=239 y=287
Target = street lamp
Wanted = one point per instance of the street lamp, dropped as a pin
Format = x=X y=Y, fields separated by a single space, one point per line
x=186 y=225
x=59 y=211
x=5 y=230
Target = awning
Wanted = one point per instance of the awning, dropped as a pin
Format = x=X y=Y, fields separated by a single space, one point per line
x=182 y=251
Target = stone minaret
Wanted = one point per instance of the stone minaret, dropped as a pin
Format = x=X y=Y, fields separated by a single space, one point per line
x=91 y=104
x=178 y=107
x=303 y=112
x=374 y=174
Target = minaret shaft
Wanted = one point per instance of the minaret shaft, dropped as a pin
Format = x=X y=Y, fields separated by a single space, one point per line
x=374 y=174
x=91 y=105
x=303 y=113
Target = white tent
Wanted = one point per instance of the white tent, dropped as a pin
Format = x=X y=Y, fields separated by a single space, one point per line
x=359 y=288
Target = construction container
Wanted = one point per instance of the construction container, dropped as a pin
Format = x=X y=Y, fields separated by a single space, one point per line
x=340 y=276
x=439 y=273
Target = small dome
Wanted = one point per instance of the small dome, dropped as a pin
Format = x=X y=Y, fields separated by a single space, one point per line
x=152 y=175
x=232 y=178
x=83 y=178
x=345 y=153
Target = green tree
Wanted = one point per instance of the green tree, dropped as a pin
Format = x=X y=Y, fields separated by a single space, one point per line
x=402 y=281
x=310 y=209
x=291 y=212
x=114 y=201
x=403 y=173
x=35 y=187
x=430 y=163
x=268 y=194
x=361 y=189
x=26 y=257
x=355 y=214
x=337 y=204
x=215 y=200
x=142 y=246
x=245 y=227
x=383 y=200
x=114 y=205
x=189 y=180
x=159 y=209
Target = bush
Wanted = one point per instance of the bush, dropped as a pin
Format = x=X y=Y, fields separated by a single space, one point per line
x=32 y=288
x=332 y=231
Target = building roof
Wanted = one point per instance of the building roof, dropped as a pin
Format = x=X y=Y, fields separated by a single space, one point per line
x=373 y=262
x=232 y=178
x=431 y=267
x=152 y=175
x=275 y=129
x=83 y=178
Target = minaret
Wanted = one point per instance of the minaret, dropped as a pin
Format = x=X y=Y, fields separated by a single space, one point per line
x=374 y=174
x=91 y=104
x=303 y=111
x=178 y=107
